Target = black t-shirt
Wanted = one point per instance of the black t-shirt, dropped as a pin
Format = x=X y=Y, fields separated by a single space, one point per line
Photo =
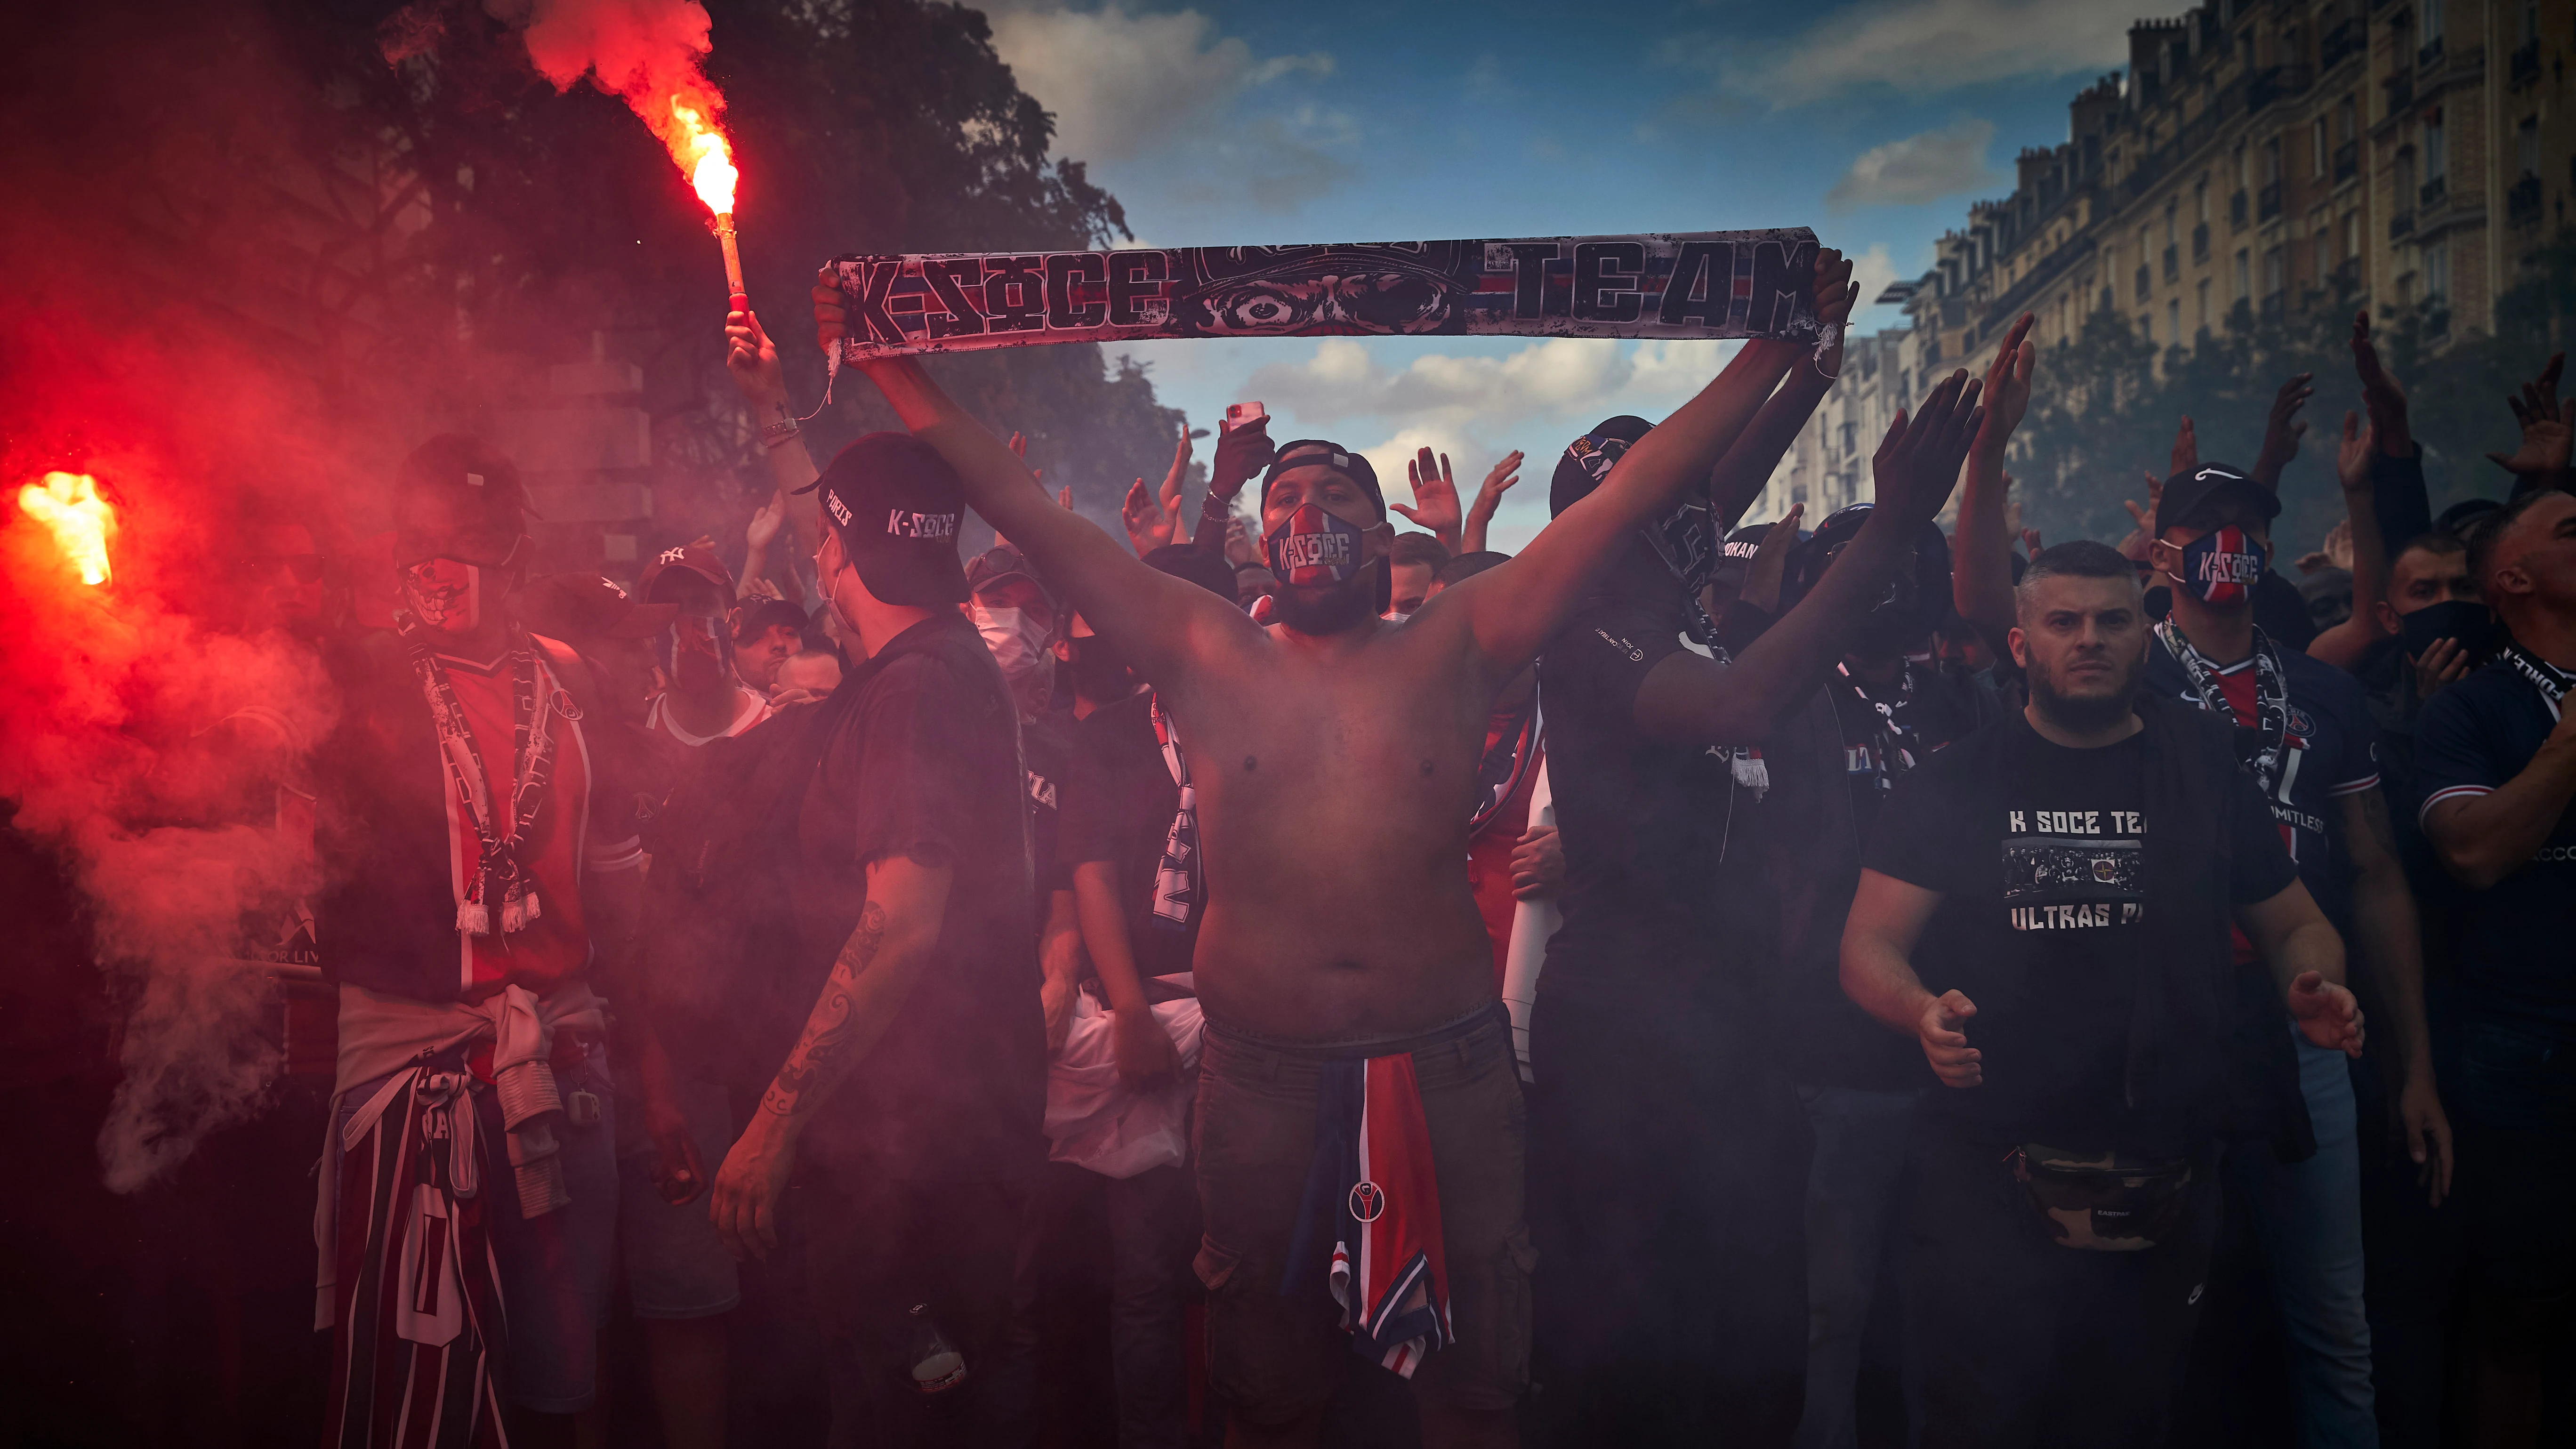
x=2515 y=958
x=1640 y=819
x=928 y=758
x=1046 y=752
x=2038 y=852
x=1119 y=802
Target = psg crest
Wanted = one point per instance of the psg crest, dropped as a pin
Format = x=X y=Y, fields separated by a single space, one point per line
x=1368 y=1200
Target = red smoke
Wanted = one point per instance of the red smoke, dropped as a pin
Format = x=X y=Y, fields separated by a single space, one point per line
x=647 y=53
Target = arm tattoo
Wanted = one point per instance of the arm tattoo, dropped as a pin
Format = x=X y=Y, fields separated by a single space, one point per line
x=820 y=1055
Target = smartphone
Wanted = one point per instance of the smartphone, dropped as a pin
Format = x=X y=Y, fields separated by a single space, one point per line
x=1245 y=415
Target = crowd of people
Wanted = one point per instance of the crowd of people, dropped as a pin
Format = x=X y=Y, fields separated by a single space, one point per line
x=1592 y=985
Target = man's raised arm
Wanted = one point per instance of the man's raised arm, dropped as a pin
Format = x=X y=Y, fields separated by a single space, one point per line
x=1150 y=613
x=1687 y=698
x=1514 y=608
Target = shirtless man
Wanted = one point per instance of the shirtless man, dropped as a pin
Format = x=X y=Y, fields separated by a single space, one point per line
x=1333 y=760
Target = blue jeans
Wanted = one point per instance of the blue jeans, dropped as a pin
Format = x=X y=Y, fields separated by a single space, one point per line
x=2308 y=1218
x=1852 y=1188
x=555 y=1271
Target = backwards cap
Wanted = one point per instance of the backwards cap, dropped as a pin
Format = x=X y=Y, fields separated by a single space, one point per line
x=1317 y=453
x=895 y=505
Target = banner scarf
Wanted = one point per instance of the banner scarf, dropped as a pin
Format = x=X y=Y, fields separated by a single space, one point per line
x=498 y=877
x=2548 y=678
x=1658 y=284
x=2270 y=728
x=1892 y=746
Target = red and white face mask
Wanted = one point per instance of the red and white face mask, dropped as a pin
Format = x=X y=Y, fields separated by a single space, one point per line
x=1313 y=546
x=445 y=594
x=2222 y=565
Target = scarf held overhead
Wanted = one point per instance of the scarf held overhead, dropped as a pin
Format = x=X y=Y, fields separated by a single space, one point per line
x=1659 y=284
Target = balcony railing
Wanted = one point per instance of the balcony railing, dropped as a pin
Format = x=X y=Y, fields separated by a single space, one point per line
x=2267 y=203
x=2200 y=242
x=2173 y=261
x=2524 y=67
x=2401 y=224
x=2146 y=283
x=2275 y=83
x=2522 y=201
x=2347 y=161
x=2430 y=54
x=2236 y=211
x=2431 y=194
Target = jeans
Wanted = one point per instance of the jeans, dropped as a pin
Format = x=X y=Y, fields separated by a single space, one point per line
x=1852 y=1190
x=2308 y=1217
x=1668 y=1176
x=1151 y=1222
x=2023 y=1343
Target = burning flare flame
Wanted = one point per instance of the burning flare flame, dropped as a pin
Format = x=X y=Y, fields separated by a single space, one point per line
x=702 y=152
x=68 y=505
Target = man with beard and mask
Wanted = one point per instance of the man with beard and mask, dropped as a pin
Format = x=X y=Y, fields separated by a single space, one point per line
x=2046 y=908
x=486 y=873
x=2495 y=755
x=702 y=697
x=2305 y=734
x=1341 y=961
x=1669 y=1153
x=1016 y=615
x=1886 y=708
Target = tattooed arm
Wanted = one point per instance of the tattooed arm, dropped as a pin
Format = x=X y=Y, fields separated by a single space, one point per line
x=898 y=929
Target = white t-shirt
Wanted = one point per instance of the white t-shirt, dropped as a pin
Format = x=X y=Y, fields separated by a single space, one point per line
x=750 y=708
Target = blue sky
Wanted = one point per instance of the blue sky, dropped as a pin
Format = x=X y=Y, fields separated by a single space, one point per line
x=1875 y=123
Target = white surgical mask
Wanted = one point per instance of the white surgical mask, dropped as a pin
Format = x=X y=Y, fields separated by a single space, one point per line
x=1018 y=640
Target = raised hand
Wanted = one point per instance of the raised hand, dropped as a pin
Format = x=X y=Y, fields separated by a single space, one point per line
x=1771 y=561
x=1917 y=463
x=1489 y=496
x=1241 y=454
x=2326 y=1013
x=1835 y=291
x=751 y=357
x=2185 y=455
x=2548 y=430
x=2008 y=386
x=1178 y=529
x=1019 y=447
x=2134 y=547
x=831 y=310
x=2381 y=397
x=2282 y=429
x=1435 y=498
x=766 y=521
x=1147 y=526
x=1945 y=1045
x=2352 y=453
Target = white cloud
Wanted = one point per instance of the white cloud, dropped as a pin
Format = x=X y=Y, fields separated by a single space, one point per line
x=1477 y=407
x=1919 y=48
x=1873 y=270
x=1923 y=167
x=1123 y=84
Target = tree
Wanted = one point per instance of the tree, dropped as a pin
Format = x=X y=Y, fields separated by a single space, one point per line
x=2110 y=399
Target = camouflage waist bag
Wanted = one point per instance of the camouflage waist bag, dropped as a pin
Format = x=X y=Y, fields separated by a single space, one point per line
x=2103 y=1202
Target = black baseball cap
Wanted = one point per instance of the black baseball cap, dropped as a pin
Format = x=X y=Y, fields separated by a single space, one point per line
x=2184 y=492
x=1588 y=459
x=698 y=558
x=1001 y=562
x=1317 y=453
x=895 y=504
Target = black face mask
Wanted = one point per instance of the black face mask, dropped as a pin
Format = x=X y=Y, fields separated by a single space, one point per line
x=2470 y=622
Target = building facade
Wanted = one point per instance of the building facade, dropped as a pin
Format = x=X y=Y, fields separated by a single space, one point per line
x=2269 y=154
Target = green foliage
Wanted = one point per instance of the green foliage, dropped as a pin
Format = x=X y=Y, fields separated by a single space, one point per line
x=2107 y=402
